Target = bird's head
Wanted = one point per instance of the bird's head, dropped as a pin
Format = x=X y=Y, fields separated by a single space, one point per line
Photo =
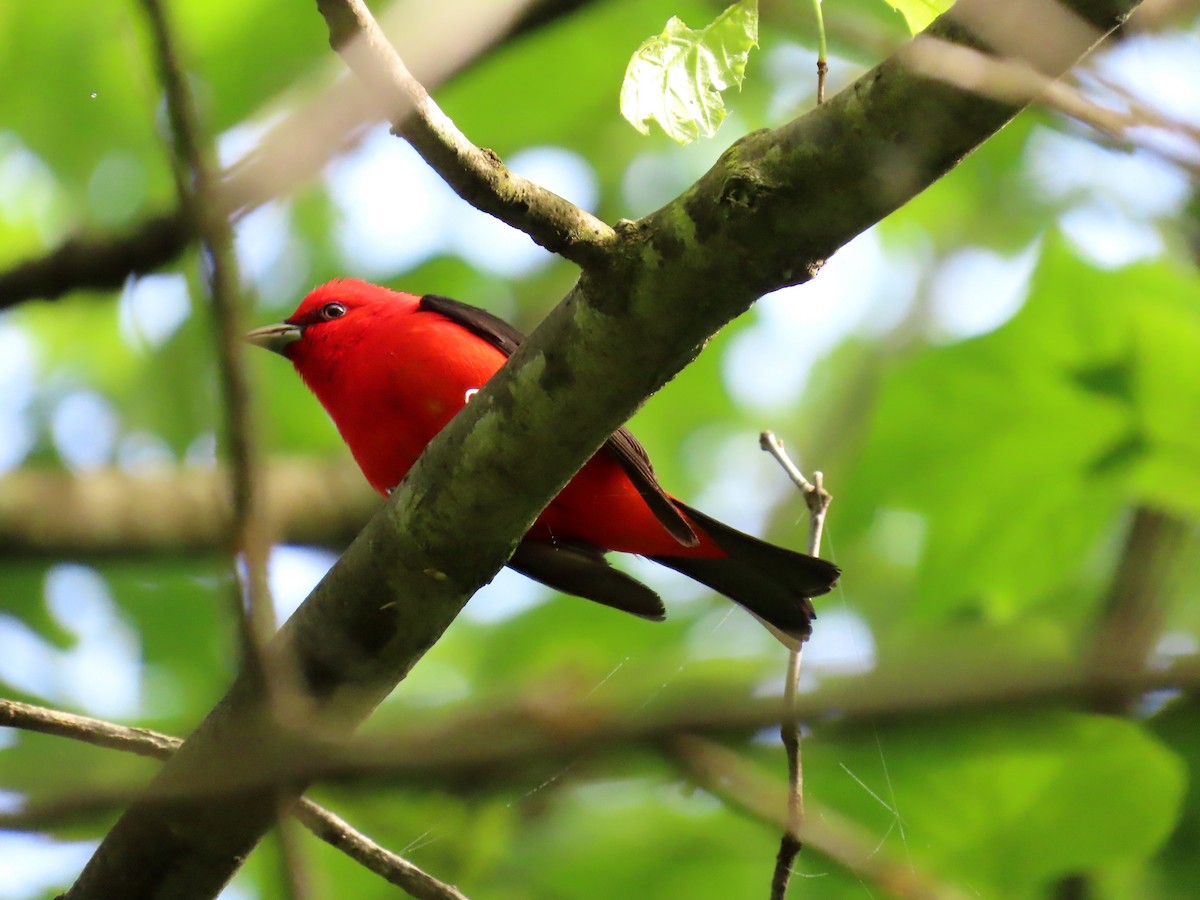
x=331 y=319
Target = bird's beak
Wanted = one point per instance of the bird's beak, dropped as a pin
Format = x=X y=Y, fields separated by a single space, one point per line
x=276 y=338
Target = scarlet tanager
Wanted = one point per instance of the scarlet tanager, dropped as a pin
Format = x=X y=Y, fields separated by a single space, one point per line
x=392 y=369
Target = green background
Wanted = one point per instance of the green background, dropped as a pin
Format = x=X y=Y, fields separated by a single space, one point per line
x=986 y=448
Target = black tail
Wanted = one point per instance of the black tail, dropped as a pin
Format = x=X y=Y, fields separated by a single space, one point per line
x=773 y=583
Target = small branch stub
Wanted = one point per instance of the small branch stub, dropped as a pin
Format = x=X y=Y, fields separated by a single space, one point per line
x=816 y=498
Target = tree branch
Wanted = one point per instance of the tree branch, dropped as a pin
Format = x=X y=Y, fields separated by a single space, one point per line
x=422 y=759
x=770 y=211
x=39 y=719
x=1132 y=617
x=1015 y=80
x=478 y=176
x=330 y=828
x=98 y=263
x=196 y=186
x=111 y=512
x=336 y=832
x=293 y=151
x=537 y=735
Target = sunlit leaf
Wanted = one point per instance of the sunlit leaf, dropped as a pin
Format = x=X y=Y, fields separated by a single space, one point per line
x=1007 y=803
x=677 y=77
x=919 y=13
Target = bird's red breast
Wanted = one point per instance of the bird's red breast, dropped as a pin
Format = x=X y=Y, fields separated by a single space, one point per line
x=392 y=375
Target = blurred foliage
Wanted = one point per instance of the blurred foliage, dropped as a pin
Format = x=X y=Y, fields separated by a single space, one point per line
x=983 y=478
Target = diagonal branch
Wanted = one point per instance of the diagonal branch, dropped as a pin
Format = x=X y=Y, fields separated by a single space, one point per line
x=478 y=176
x=292 y=152
x=330 y=828
x=1015 y=80
x=767 y=214
x=338 y=833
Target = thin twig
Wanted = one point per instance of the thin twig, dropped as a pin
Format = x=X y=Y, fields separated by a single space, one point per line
x=476 y=175
x=817 y=499
x=327 y=826
x=196 y=184
x=293 y=864
x=383 y=862
x=822 y=54
x=727 y=775
x=791 y=841
x=54 y=722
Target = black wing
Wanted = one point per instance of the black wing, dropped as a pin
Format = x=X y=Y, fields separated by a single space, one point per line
x=583 y=571
x=478 y=321
x=622 y=445
x=636 y=462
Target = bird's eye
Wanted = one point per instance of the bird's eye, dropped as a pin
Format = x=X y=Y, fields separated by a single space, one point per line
x=332 y=311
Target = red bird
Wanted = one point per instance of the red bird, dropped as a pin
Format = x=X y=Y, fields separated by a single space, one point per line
x=392 y=369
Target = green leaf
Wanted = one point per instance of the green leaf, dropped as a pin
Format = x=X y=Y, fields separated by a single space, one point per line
x=1178 y=727
x=1004 y=803
x=919 y=13
x=676 y=78
x=1080 y=405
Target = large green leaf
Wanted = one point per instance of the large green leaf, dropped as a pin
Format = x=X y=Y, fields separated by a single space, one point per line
x=1018 y=449
x=1179 y=728
x=919 y=13
x=676 y=78
x=1006 y=804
